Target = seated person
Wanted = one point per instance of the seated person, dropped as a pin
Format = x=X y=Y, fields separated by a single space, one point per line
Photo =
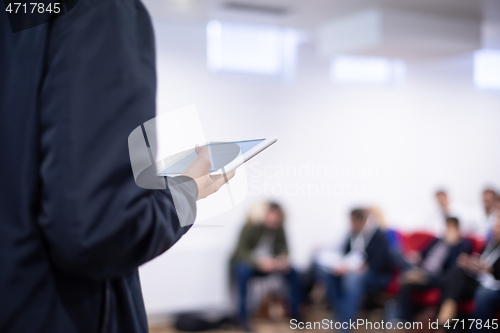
x=427 y=268
x=488 y=216
x=262 y=249
x=477 y=275
x=487 y=303
x=364 y=268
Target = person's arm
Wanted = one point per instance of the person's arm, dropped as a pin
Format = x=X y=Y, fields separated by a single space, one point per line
x=244 y=249
x=99 y=85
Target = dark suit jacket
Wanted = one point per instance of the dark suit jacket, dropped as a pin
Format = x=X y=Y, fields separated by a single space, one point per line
x=378 y=257
x=249 y=238
x=496 y=266
x=463 y=246
x=74 y=226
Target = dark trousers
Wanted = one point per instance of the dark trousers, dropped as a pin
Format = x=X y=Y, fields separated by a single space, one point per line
x=487 y=307
x=345 y=293
x=458 y=285
x=243 y=273
x=406 y=307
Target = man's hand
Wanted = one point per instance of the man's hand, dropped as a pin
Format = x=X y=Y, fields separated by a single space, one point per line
x=414 y=258
x=199 y=171
x=415 y=276
x=463 y=260
x=267 y=265
x=471 y=263
x=475 y=263
x=339 y=271
x=282 y=264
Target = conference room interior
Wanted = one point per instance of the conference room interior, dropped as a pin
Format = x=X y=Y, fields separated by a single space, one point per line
x=376 y=104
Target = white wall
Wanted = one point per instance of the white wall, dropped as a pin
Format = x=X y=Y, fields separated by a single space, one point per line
x=380 y=145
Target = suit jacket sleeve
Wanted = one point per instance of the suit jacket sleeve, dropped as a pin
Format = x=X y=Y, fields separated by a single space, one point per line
x=98 y=86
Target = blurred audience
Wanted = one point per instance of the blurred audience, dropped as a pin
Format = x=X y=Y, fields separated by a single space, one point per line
x=262 y=249
x=427 y=268
x=444 y=209
x=476 y=276
x=473 y=222
x=364 y=268
x=365 y=264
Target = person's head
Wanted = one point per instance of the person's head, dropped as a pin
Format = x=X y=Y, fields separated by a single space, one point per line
x=452 y=227
x=274 y=216
x=375 y=214
x=257 y=212
x=442 y=198
x=489 y=199
x=358 y=220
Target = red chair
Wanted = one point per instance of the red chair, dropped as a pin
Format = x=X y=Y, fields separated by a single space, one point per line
x=392 y=289
x=416 y=241
x=476 y=243
x=406 y=242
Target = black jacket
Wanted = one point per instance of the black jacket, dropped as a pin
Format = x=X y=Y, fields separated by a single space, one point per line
x=464 y=246
x=378 y=257
x=496 y=265
x=74 y=226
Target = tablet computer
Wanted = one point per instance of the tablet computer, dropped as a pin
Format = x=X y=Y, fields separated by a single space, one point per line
x=225 y=156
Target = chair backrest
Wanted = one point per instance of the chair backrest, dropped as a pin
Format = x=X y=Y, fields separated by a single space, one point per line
x=416 y=241
x=477 y=244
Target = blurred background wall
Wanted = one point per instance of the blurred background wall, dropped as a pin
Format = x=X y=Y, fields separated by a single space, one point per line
x=389 y=143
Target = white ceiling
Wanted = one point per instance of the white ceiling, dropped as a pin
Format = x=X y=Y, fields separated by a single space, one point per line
x=308 y=14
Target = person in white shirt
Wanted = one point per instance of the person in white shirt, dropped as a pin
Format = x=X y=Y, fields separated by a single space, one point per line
x=436 y=223
x=488 y=214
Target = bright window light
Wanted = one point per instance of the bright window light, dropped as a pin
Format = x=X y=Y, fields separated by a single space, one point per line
x=347 y=69
x=242 y=48
x=487 y=69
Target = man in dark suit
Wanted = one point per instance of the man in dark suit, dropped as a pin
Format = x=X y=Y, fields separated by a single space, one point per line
x=430 y=266
x=476 y=276
x=74 y=225
x=370 y=269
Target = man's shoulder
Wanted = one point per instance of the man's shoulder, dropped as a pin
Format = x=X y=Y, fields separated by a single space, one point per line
x=379 y=234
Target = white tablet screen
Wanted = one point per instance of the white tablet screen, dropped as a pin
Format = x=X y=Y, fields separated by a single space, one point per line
x=247 y=145
x=221 y=154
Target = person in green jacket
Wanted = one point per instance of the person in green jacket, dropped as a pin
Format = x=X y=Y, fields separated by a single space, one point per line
x=262 y=249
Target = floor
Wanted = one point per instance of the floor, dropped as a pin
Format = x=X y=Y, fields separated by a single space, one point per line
x=259 y=327
x=281 y=326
